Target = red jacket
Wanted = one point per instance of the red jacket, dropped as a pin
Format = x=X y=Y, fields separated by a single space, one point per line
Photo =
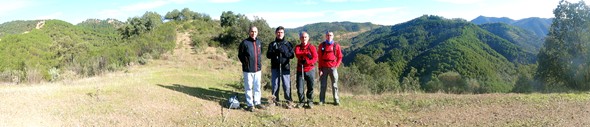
x=302 y=52
x=330 y=55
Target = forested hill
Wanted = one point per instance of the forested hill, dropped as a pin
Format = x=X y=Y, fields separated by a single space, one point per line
x=523 y=38
x=344 y=30
x=434 y=45
x=102 y=26
x=17 y=27
x=539 y=26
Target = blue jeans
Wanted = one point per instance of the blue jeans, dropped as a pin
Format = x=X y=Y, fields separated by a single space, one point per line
x=333 y=74
x=285 y=79
x=308 y=77
x=252 y=88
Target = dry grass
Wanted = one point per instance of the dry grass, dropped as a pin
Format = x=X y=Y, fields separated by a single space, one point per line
x=188 y=89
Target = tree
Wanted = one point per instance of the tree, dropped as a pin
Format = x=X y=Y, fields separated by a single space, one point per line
x=411 y=82
x=564 y=58
x=152 y=20
x=138 y=25
x=173 y=15
x=187 y=14
x=228 y=18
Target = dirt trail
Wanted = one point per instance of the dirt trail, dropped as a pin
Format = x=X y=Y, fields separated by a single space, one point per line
x=40 y=24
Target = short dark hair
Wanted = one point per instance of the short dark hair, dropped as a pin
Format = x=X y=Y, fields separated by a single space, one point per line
x=280 y=28
x=252 y=27
x=327 y=32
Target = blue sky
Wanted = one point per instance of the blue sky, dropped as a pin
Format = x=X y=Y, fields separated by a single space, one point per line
x=288 y=13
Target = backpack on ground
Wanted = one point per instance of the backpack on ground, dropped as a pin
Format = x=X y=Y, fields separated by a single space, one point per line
x=233 y=103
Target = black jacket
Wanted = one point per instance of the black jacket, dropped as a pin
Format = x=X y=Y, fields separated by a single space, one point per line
x=249 y=54
x=282 y=49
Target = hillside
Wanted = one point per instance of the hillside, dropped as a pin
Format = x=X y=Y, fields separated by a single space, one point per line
x=434 y=45
x=59 y=47
x=483 y=20
x=516 y=35
x=17 y=27
x=108 y=26
x=539 y=26
x=344 y=31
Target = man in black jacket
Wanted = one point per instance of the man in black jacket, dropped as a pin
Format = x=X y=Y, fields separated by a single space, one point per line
x=249 y=55
x=280 y=52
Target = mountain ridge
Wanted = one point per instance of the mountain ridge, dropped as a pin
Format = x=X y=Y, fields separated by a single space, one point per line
x=435 y=45
x=539 y=26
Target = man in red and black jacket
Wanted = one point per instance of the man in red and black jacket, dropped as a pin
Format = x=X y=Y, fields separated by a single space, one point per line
x=307 y=56
x=249 y=55
x=330 y=57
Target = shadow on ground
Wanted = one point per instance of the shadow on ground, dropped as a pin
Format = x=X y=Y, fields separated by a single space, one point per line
x=211 y=94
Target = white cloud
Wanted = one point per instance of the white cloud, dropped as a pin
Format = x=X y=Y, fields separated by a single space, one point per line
x=56 y=15
x=7 y=7
x=124 y=12
x=385 y=16
x=286 y=19
x=309 y=2
x=224 y=1
x=285 y=15
x=347 y=14
x=144 y=6
x=460 y=1
x=335 y=1
x=340 y=1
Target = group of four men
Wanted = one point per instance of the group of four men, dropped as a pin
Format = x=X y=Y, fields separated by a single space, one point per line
x=328 y=56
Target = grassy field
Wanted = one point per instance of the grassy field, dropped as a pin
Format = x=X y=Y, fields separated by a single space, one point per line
x=188 y=89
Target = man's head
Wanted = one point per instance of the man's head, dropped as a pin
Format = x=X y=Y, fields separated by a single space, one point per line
x=280 y=32
x=304 y=37
x=253 y=32
x=329 y=36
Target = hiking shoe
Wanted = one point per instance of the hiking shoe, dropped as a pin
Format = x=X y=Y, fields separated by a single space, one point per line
x=250 y=108
x=321 y=103
x=260 y=106
x=289 y=105
x=337 y=103
x=300 y=105
x=309 y=104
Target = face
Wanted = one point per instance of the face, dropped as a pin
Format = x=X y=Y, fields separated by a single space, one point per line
x=253 y=32
x=280 y=34
x=304 y=38
x=330 y=36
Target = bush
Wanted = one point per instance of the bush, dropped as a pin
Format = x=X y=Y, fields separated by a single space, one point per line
x=34 y=76
x=495 y=87
x=523 y=85
x=13 y=76
x=452 y=82
x=54 y=74
x=434 y=85
x=472 y=86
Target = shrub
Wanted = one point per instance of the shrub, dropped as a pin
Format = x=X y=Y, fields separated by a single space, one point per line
x=523 y=85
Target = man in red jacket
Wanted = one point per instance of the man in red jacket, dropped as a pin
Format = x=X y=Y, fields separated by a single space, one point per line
x=306 y=57
x=330 y=57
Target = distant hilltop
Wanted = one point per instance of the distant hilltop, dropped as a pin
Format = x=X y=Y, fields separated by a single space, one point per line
x=539 y=26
